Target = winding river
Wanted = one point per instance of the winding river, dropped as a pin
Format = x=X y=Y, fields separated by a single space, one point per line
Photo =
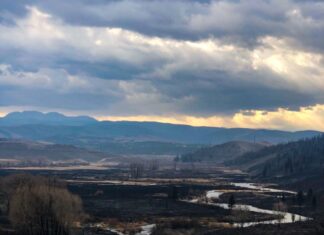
x=285 y=217
x=145 y=229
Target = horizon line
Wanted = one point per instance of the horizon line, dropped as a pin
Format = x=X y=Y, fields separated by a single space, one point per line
x=152 y=119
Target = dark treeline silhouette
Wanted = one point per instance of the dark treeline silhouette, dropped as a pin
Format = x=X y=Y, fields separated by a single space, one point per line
x=310 y=198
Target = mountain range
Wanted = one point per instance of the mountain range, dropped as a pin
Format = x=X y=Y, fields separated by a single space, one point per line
x=131 y=137
x=52 y=118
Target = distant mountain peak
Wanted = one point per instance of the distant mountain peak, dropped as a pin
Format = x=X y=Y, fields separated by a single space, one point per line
x=51 y=118
x=25 y=113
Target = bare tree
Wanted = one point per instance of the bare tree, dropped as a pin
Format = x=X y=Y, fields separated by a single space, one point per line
x=241 y=214
x=175 y=161
x=44 y=207
x=281 y=208
x=10 y=183
x=136 y=170
x=154 y=165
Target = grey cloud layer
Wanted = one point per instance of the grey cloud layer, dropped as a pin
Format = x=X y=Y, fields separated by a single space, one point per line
x=158 y=57
x=239 y=21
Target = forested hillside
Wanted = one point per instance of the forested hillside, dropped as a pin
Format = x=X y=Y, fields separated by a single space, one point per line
x=222 y=152
x=302 y=158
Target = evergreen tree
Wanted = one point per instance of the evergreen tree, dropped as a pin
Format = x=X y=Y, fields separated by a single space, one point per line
x=231 y=201
x=310 y=194
x=300 y=198
x=314 y=202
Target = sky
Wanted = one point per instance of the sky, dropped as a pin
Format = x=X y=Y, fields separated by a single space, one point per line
x=231 y=63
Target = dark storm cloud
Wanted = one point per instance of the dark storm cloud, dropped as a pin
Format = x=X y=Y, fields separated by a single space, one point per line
x=226 y=94
x=241 y=22
x=161 y=60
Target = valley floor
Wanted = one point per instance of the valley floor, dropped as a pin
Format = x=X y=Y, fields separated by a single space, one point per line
x=166 y=201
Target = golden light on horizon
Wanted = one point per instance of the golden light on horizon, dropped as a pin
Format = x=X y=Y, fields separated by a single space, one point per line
x=307 y=118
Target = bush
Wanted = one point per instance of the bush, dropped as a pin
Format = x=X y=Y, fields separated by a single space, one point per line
x=42 y=206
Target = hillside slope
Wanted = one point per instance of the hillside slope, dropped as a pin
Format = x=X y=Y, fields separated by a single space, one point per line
x=299 y=159
x=31 y=150
x=223 y=152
